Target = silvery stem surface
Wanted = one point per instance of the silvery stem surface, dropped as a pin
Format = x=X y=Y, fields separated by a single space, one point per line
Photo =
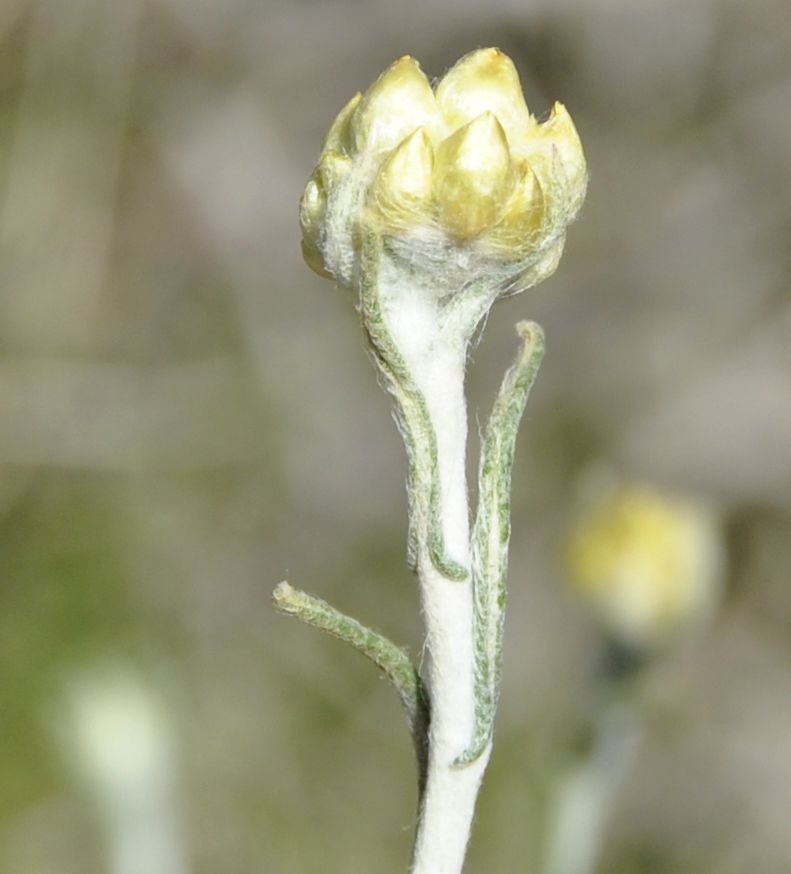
x=448 y=801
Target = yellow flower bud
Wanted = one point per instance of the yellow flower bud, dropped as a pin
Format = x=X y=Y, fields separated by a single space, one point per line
x=473 y=177
x=402 y=189
x=463 y=177
x=648 y=564
x=485 y=81
x=399 y=101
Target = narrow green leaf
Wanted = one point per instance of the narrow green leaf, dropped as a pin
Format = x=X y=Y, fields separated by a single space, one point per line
x=393 y=661
x=414 y=422
x=492 y=530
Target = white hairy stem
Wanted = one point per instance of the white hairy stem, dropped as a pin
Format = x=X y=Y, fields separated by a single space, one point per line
x=437 y=362
x=449 y=799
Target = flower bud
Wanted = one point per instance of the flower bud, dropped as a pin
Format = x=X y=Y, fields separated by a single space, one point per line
x=466 y=178
x=647 y=564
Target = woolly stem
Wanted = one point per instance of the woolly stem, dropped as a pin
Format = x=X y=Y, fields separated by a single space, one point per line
x=448 y=802
x=421 y=350
x=419 y=337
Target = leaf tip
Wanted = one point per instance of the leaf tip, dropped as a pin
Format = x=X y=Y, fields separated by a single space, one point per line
x=283 y=597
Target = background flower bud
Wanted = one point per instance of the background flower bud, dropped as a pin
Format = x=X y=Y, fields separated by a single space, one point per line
x=648 y=564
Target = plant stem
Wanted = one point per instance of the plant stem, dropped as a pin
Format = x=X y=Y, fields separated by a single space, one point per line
x=448 y=803
x=584 y=795
x=420 y=337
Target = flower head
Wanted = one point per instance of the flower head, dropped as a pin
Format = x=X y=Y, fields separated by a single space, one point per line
x=648 y=564
x=462 y=175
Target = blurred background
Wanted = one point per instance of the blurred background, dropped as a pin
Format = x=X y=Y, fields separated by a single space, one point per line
x=187 y=416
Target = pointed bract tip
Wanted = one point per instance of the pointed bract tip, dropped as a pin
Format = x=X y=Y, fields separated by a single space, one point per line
x=400 y=100
x=485 y=79
x=473 y=177
x=401 y=192
x=339 y=135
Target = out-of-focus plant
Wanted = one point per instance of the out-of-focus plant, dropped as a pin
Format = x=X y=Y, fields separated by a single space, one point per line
x=647 y=565
x=430 y=204
x=116 y=737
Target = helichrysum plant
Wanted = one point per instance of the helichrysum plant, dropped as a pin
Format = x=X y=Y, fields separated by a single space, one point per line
x=430 y=204
x=648 y=567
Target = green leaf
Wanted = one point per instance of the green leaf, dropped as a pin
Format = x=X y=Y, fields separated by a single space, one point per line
x=492 y=531
x=393 y=661
x=414 y=423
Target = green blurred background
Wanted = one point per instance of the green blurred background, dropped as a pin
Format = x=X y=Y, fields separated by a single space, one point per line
x=187 y=416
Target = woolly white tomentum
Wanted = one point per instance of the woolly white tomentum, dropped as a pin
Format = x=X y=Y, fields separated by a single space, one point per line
x=430 y=204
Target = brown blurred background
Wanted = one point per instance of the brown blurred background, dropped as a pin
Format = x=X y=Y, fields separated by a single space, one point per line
x=187 y=416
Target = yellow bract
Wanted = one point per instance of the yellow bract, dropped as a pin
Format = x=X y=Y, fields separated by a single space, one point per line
x=312 y=208
x=555 y=151
x=474 y=177
x=467 y=161
x=525 y=213
x=402 y=190
x=485 y=81
x=339 y=135
x=400 y=101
